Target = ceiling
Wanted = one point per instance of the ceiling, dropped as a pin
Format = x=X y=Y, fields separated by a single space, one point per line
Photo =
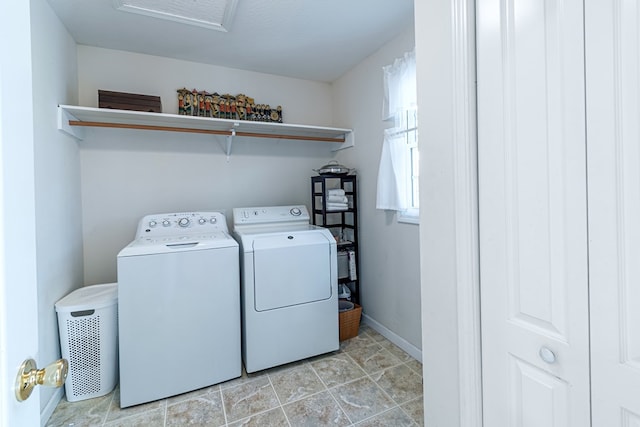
x=313 y=40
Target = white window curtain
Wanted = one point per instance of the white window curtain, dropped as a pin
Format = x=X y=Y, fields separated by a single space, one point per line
x=393 y=193
x=400 y=96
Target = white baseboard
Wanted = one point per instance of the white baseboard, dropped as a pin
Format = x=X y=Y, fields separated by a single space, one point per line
x=46 y=413
x=411 y=349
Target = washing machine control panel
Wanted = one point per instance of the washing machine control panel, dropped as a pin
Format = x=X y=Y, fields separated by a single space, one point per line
x=181 y=223
x=271 y=215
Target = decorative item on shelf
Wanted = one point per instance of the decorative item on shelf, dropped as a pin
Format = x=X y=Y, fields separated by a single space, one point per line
x=208 y=100
x=201 y=108
x=195 y=102
x=129 y=101
x=183 y=95
x=226 y=106
x=185 y=102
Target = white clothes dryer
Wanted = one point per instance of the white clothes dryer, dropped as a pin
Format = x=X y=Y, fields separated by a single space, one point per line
x=289 y=286
x=178 y=307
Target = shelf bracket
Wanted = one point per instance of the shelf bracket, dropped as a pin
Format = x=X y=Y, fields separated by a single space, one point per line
x=230 y=142
x=64 y=117
x=349 y=141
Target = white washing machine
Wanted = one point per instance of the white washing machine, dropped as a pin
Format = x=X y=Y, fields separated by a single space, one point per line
x=178 y=306
x=289 y=286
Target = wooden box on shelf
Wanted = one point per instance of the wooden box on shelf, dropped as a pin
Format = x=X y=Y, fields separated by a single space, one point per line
x=129 y=101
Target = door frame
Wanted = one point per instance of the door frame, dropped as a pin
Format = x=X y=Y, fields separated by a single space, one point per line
x=450 y=275
x=18 y=276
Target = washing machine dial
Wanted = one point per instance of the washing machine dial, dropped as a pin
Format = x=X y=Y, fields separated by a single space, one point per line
x=295 y=211
x=183 y=222
x=166 y=223
x=202 y=221
x=152 y=224
x=213 y=220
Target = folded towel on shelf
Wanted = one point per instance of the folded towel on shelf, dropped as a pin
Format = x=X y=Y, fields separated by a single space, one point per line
x=335 y=192
x=337 y=206
x=337 y=199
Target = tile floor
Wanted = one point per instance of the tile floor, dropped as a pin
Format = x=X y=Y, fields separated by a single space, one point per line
x=368 y=382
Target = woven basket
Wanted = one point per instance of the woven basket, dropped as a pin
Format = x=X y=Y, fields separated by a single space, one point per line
x=350 y=322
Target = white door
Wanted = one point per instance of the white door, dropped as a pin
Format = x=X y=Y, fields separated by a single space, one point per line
x=533 y=229
x=18 y=294
x=613 y=141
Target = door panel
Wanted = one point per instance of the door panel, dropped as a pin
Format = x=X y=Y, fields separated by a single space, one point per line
x=539 y=398
x=613 y=107
x=532 y=197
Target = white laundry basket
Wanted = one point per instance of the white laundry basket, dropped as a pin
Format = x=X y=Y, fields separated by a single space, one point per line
x=88 y=325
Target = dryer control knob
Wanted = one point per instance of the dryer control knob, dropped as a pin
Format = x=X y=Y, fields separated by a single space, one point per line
x=295 y=211
x=202 y=221
x=183 y=222
x=213 y=220
x=152 y=224
x=166 y=223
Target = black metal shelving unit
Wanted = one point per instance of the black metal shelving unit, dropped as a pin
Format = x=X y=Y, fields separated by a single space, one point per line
x=342 y=223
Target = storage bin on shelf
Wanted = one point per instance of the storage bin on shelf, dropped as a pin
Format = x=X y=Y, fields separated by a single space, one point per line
x=88 y=326
x=349 y=319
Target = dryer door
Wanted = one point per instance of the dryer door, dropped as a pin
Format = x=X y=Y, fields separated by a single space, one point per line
x=291 y=269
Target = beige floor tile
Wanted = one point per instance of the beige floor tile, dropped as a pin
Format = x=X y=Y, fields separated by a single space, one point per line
x=374 y=358
x=415 y=365
x=374 y=335
x=205 y=410
x=400 y=383
x=273 y=418
x=318 y=410
x=366 y=380
x=155 y=417
x=361 y=399
x=356 y=343
x=337 y=370
x=415 y=409
x=396 y=351
x=249 y=399
x=83 y=413
x=203 y=392
x=295 y=383
x=394 y=417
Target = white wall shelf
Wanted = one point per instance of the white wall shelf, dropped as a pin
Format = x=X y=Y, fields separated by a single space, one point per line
x=72 y=120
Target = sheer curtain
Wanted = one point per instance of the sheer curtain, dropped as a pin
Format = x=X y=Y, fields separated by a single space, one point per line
x=399 y=97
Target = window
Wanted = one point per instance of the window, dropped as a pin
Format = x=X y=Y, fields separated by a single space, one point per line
x=398 y=174
x=408 y=130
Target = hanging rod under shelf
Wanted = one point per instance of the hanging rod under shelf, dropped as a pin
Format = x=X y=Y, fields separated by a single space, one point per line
x=207 y=131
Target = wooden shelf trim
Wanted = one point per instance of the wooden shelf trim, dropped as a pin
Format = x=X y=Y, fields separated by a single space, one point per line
x=205 y=131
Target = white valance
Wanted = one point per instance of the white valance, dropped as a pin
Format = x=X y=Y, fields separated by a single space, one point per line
x=399 y=86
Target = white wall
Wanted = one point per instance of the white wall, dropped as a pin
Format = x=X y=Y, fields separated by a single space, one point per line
x=389 y=251
x=57 y=182
x=126 y=174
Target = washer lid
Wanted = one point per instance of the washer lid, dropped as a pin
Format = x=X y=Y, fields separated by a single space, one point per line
x=147 y=245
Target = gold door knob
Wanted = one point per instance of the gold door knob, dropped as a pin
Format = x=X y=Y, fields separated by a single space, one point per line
x=30 y=376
